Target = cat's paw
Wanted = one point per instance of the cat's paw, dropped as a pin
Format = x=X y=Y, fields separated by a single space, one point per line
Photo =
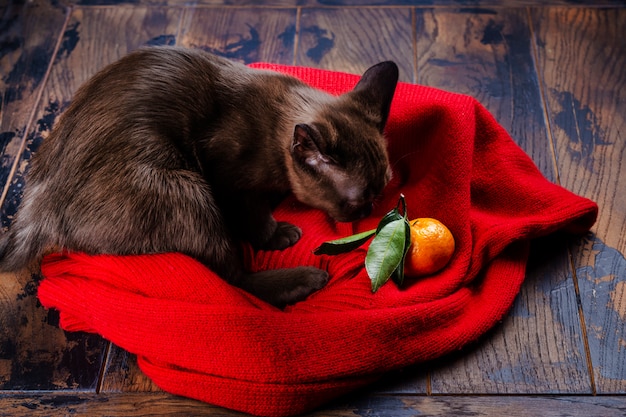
x=282 y=287
x=285 y=235
x=303 y=282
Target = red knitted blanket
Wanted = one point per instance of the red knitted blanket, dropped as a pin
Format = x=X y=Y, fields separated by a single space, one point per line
x=196 y=336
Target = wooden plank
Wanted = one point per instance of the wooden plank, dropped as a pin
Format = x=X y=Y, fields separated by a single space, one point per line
x=36 y=354
x=28 y=36
x=160 y=404
x=538 y=348
x=582 y=60
x=347 y=3
x=522 y=406
x=351 y=40
x=242 y=34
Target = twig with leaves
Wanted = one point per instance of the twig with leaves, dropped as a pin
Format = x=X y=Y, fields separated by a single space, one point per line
x=387 y=251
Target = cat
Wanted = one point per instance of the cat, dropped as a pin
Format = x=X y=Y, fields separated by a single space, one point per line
x=175 y=149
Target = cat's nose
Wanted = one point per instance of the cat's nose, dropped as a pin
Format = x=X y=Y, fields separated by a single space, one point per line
x=351 y=211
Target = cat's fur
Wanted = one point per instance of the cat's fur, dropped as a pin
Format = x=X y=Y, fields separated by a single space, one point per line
x=172 y=149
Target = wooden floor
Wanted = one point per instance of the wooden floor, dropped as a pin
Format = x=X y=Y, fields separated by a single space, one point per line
x=553 y=74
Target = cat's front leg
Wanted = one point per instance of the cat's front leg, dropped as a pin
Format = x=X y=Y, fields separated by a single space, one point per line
x=282 y=287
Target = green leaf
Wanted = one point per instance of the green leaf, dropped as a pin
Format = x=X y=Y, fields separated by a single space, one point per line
x=392 y=216
x=398 y=275
x=386 y=252
x=343 y=245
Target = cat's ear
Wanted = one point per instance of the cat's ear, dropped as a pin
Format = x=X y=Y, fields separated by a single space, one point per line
x=375 y=89
x=305 y=149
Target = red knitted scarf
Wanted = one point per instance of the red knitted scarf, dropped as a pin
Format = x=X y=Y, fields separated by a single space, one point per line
x=196 y=336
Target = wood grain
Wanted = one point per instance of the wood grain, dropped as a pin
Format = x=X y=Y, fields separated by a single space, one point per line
x=242 y=34
x=404 y=406
x=344 y=3
x=28 y=37
x=487 y=53
x=160 y=404
x=34 y=352
x=351 y=40
x=582 y=59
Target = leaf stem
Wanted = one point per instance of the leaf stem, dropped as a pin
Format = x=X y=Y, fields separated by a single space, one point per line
x=402 y=202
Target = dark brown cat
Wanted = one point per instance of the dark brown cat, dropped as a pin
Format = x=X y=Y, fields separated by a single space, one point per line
x=173 y=149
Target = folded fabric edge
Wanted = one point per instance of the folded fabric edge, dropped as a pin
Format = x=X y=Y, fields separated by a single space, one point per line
x=269 y=400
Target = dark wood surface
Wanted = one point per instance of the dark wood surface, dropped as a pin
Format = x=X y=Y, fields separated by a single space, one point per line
x=552 y=73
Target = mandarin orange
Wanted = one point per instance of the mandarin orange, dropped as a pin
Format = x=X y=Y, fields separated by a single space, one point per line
x=432 y=247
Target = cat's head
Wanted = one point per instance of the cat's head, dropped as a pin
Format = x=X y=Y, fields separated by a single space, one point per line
x=340 y=162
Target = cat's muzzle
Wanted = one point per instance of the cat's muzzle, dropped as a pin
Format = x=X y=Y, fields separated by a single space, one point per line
x=352 y=213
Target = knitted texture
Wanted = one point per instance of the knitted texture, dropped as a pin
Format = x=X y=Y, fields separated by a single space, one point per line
x=197 y=336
